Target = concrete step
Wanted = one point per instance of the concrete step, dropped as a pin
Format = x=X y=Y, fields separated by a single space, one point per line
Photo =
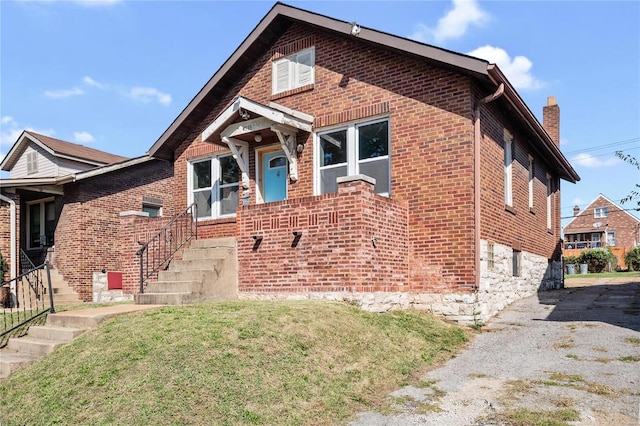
x=206 y=253
x=31 y=346
x=59 y=334
x=193 y=275
x=174 y=287
x=195 y=264
x=11 y=361
x=165 y=298
x=226 y=242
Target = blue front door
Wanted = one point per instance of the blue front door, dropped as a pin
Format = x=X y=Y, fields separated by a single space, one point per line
x=274 y=165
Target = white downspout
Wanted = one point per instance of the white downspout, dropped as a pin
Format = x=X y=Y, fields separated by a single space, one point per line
x=12 y=218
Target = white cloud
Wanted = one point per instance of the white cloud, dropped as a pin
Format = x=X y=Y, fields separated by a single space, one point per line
x=586 y=160
x=517 y=70
x=91 y=82
x=11 y=130
x=83 y=137
x=454 y=24
x=63 y=93
x=148 y=94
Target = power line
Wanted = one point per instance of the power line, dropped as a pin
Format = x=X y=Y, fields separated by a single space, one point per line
x=608 y=145
x=583 y=213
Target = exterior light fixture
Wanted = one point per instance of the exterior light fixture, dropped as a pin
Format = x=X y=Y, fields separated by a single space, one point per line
x=258 y=138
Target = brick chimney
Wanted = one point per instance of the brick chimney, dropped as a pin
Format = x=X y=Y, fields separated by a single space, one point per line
x=551 y=119
x=576 y=210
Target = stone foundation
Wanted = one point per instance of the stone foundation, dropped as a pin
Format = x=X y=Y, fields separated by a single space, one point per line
x=498 y=289
x=101 y=292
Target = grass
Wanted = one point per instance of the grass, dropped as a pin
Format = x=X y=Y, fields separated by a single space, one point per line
x=235 y=363
x=633 y=274
x=632 y=340
x=524 y=417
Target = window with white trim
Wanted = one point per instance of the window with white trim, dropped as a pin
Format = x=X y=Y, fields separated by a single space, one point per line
x=531 y=175
x=214 y=186
x=293 y=71
x=611 y=238
x=508 y=172
x=548 y=201
x=32 y=162
x=358 y=148
x=595 y=239
x=600 y=212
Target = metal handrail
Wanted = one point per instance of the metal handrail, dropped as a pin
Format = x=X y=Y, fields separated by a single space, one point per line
x=25 y=306
x=159 y=250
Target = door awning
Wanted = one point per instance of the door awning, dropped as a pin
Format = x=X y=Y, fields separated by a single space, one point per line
x=244 y=118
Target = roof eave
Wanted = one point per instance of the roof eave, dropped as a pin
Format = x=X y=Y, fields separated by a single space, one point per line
x=281 y=14
x=566 y=170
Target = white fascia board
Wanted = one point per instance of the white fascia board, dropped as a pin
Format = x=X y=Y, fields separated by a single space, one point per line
x=220 y=120
x=110 y=168
x=244 y=127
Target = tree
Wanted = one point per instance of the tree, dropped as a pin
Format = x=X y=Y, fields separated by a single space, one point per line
x=635 y=193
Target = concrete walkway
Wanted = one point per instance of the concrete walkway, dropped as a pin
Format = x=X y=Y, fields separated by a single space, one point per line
x=577 y=348
x=60 y=329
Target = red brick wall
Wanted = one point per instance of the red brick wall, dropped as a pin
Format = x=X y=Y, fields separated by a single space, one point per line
x=336 y=251
x=5 y=233
x=625 y=226
x=430 y=113
x=88 y=231
x=519 y=226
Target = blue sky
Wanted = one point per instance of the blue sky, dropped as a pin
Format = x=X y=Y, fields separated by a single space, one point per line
x=114 y=74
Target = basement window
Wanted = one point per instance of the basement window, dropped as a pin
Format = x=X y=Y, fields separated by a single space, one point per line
x=152 y=205
x=490 y=257
x=517 y=263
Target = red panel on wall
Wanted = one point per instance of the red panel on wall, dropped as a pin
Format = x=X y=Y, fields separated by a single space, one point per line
x=114 y=280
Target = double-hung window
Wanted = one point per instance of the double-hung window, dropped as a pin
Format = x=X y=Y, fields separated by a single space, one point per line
x=508 y=172
x=293 y=71
x=358 y=148
x=214 y=186
x=599 y=212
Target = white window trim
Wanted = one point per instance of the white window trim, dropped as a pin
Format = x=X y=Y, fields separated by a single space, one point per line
x=508 y=170
x=214 y=178
x=608 y=240
x=43 y=213
x=549 y=194
x=531 y=176
x=600 y=212
x=352 y=151
x=293 y=70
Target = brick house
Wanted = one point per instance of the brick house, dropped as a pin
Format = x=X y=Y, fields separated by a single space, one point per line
x=356 y=165
x=65 y=202
x=603 y=223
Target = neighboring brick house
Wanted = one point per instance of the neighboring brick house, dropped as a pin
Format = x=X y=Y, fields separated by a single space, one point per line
x=70 y=197
x=603 y=223
x=278 y=149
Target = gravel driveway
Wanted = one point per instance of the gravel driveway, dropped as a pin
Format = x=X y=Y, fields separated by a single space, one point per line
x=573 y=352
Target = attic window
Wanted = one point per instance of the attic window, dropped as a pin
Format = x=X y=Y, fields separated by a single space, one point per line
x=32 y=162
x=293 y=71
x=600 y=212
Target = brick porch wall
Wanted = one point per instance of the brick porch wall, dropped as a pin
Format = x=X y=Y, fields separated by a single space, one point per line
x=351 y=241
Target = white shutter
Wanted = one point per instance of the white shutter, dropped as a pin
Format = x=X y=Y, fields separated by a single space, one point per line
x=305 y=62
x=281 y=75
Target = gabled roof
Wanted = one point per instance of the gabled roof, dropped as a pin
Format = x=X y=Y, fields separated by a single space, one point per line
x=282 y=16
x=60 y=149
x=590 y=207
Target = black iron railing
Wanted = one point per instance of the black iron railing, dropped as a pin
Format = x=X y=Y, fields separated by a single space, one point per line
x=159 y=250
x=27 y=265
x=21 y=305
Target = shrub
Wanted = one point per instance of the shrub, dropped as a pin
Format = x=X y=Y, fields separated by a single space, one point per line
x=570 y=260
x=632 y=259
x=3 y=267
x=597 y=258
